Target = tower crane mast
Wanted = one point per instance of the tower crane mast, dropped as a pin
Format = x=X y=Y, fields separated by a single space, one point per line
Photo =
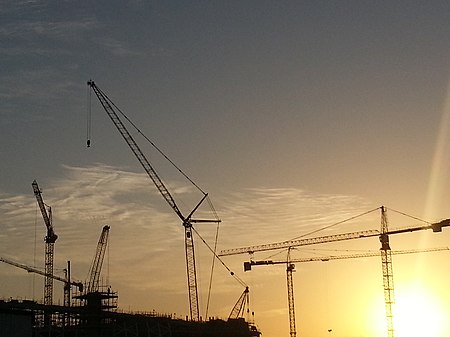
x=50 y=240
x=290 y=268
x=187 y=221
x=388 y=278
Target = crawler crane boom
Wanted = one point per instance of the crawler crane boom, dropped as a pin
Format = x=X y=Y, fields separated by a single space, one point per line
x=187 y=221
x=239 y=307
x=97 y=262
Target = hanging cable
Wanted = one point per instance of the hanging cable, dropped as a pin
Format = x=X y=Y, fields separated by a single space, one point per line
x=35 y=247
x=409 y=216
x=107 y=261
x=151 y=143
x=88 y=117
x=335 y=224
x=238 y=279
x=211 y=206
x=212 y=269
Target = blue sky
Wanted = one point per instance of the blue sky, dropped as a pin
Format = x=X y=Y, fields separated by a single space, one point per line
x=293 y=115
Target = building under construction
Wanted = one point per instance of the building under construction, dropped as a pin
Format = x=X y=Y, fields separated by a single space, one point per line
x=29 y=319
x=90 y=310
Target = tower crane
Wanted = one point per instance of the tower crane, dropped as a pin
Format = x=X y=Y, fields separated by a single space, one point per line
x=290 y=268
x=186 y=220
x=385 y=250
x=50 y=240
x=435 y=227
x=97 y=262
x=67 y=282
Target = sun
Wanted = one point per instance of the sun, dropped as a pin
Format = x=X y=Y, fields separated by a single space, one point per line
x=418 y=313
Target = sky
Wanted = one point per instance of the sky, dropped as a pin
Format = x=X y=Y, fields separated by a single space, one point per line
x=292 y=115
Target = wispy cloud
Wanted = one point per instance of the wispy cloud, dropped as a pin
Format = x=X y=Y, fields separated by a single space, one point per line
x=39 y=33
x=146 y=237
x=28 y=84
x=276 y=214
x=64 y=30
x=117 y=47
x=13 y=7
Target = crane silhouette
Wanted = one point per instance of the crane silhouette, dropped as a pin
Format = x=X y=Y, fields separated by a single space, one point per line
x=385 y=252
x=186 y=220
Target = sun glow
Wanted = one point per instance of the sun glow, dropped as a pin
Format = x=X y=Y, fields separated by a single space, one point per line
x=418 y=313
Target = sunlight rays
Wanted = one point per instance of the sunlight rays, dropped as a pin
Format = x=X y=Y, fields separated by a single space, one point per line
x=438 y=167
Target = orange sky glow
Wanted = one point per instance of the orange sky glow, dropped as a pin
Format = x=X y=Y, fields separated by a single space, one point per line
x=293 y=115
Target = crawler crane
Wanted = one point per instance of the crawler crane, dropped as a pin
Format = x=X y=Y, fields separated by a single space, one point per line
x=186 y=220
x=94 y=298
x=50 y=240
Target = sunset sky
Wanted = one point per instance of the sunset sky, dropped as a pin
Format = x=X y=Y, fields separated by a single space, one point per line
x=292 y=115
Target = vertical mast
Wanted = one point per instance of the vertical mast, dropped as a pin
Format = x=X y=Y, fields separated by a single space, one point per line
x=290 y=268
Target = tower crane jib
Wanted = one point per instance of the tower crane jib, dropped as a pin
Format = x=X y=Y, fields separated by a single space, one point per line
x=435 y=227
x=40 y=272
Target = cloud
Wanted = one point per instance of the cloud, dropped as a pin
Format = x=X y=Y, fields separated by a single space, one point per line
x=26 y=84
x=277 y=214
x=82 y=202
x=117 y=47
x=33 y=21
x=146 y=237
x=13 y=7
x=64 y=30
x=40 y=32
